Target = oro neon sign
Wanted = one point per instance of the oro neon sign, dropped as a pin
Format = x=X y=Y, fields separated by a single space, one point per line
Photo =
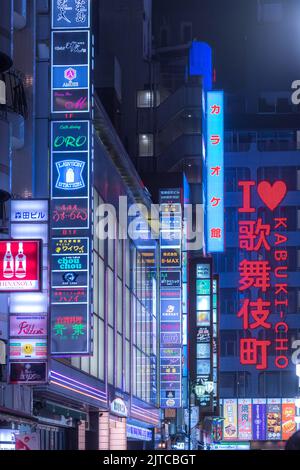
x=264 y=267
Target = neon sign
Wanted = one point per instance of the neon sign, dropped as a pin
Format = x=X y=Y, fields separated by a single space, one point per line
x=170 y=300
x=269 y=270
x=70 y=14
x=214 y=173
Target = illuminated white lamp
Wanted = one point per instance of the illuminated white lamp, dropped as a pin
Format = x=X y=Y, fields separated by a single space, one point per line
x=298 y=370
x=297 y=402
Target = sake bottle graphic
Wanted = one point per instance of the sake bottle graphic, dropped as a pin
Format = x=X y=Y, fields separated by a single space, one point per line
x=20 y=263
x=70 y=175
x=8 y=263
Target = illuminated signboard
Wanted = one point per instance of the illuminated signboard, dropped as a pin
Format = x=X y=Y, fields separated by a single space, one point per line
x=67 y=14
x=263 y=281
x=170 y=299
x=245 y=419
x=214 y=177
x=170 y=377
x=27 y=349
x=170 y=279
x=274 y=419
x=71 y=179
x=22 y=326
x=32 y=210
x=288 y=418
x=20 y=265
x=216 y=337
x=259 y=419
x=201 y=331
x=28 y=319
x=230 y=419
x=70 y=255
x=28 y=373
x=170 y=257
x=259 y=423
x=70 y=72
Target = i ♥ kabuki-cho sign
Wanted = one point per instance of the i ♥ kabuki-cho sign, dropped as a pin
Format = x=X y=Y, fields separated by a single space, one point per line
x=263 y=274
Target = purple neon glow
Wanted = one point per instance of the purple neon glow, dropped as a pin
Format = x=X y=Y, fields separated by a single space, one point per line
x=97 y=391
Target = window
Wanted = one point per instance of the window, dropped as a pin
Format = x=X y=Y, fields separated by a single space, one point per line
x=110 y=356
x=145 y=99
x=94 y=357
x=269 y=11
x=146 y=147
x=110 y=296
x=164 y=33
x=228 y=343
x=228 y=384
x=298 y=179
x=186 y=32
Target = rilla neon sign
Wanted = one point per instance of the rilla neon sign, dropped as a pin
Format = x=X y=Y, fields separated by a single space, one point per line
x=268 y=271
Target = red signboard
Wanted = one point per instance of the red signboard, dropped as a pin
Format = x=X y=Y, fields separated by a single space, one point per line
x=264 y=269
x=20 y=265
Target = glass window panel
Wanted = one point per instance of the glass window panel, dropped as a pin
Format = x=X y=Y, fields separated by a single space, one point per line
x=134 y=319
x=96 y=284
x=127 y=367
x=127 y=251
x=110 y=356
x=111 y=251
x=94 y=357
x=120 y=307
x=134 y=377
x=85 y=364
x=101 y=350
x=127 y=313
x=101 y=288
x=110 y=297
x=120 y=258
x=119 y=361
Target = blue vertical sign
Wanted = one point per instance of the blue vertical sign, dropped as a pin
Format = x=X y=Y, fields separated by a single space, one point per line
x=170 y=299
x=214 y=172
x=71 y=179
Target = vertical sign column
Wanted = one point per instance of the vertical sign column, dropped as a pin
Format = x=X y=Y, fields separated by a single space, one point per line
x=214 y=173
x=28 y=320
x=202 y=277
x=216 y=338
x=170 y=298
x=71 y=179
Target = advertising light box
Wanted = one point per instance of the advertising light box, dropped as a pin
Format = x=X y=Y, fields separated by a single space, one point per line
x=20 y=265
x=27 y=349
x=28 y=373
x=22 y=326
x=70 y=14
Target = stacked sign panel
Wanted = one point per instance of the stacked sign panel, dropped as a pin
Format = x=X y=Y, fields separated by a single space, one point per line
x=202 y=276
x=22 y=272
x=170 y=299
x=71 y=169
x=259 y=419
x=214 y=172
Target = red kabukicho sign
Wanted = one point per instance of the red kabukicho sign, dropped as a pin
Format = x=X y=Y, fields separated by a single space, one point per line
x=264 y=266
x=20 y=265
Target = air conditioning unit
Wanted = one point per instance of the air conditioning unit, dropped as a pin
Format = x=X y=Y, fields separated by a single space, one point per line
x=2 y=92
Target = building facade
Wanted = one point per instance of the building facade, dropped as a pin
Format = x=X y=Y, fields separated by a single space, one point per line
x=107 y=399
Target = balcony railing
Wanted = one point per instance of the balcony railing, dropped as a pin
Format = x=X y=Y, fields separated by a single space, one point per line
x=15 y=94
